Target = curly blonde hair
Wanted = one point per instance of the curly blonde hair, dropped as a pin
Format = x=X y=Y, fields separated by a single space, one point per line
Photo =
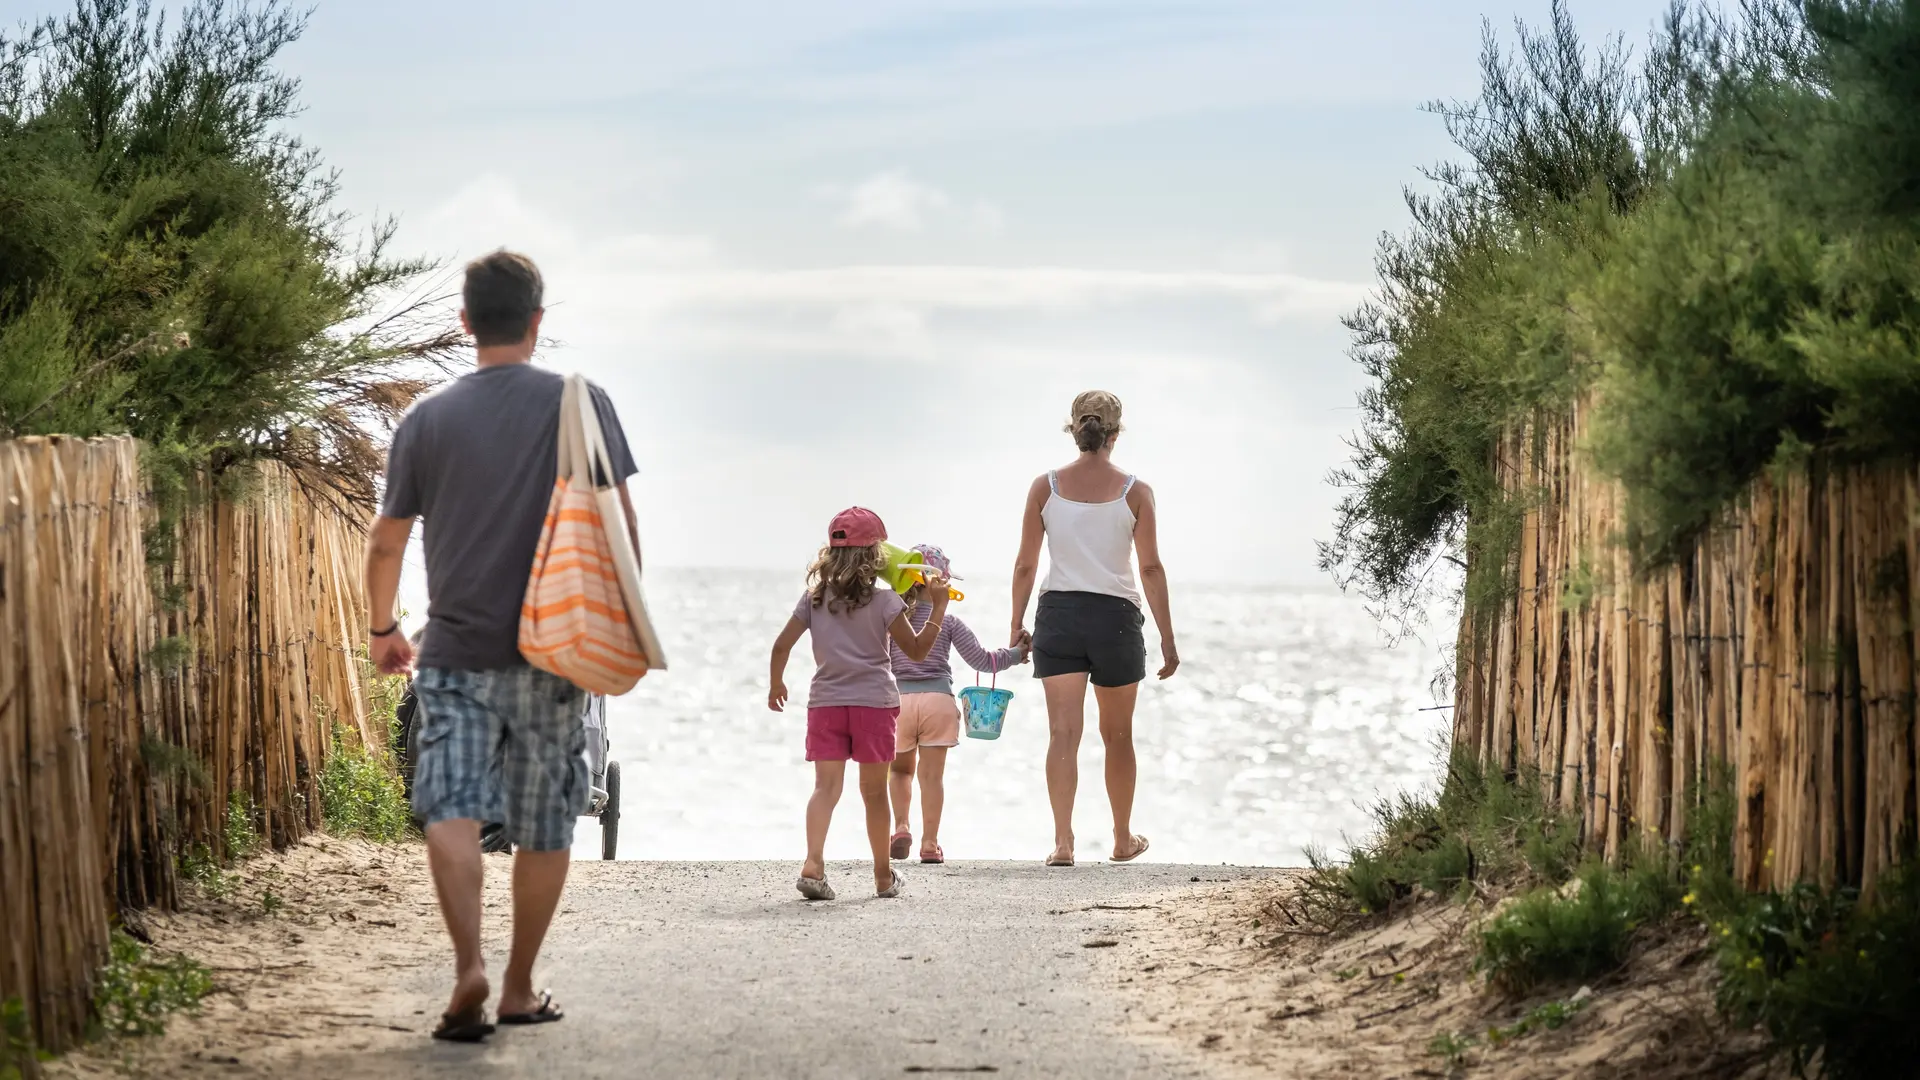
x=841 y=578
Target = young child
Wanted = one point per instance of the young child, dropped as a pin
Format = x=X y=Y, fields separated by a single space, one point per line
x=853 y=704
x=929 y=716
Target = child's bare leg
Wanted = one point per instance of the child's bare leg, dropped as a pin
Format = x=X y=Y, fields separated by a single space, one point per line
x=828 y=778
x=902 y=784
x=873 y=789
x=933 y=793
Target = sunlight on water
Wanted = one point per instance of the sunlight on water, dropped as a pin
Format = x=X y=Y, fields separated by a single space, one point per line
x=1287 y=716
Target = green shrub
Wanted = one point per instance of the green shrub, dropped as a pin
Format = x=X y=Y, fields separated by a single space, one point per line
x=173 y=261
x=360 y=794
x=1553 y=935
x=243 y=839
x=1723 y=239
x=1483 y=826
x=136 y=992
x=18 y=1055
x=1829 y=979
x=199 y=867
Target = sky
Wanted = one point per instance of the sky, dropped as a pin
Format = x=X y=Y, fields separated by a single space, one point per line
x=865 y=252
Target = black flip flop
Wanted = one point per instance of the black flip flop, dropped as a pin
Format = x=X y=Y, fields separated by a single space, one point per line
x=467 y=1026
x=545 y=1014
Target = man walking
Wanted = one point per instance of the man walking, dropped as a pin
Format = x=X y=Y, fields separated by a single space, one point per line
x=499 y=741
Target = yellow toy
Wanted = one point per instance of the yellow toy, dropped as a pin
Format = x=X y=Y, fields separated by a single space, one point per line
x=903 y=570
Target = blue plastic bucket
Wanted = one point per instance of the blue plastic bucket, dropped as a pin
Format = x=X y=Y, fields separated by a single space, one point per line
x=984 y=708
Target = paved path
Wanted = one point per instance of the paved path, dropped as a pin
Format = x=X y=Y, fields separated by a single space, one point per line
x=720 y=970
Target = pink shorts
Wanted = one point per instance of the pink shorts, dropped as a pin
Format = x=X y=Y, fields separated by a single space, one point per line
x=927 y=720
x=839 y=732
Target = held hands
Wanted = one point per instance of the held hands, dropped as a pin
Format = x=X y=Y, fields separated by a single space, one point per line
x=777 y=696
x=392 y=654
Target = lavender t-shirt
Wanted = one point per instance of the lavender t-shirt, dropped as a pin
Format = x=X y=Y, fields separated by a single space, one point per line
x=850 y=652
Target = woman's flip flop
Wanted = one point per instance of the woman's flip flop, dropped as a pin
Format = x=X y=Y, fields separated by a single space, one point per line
x=934 y=857
x=1141 y=844
x=1055 y=860
x=902 y=844
x=545 y=1013
x=466 y=1026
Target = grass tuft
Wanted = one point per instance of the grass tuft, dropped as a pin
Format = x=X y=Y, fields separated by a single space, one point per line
x=360 y=793
x=137 y=991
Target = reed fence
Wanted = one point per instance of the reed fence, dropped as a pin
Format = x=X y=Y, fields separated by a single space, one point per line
x=1781 y=646
x=138 y=701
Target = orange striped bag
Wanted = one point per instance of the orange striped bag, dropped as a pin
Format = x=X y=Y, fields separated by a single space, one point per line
x=584 y=618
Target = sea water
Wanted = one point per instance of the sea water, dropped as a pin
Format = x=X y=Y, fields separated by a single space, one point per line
x=1288 y=717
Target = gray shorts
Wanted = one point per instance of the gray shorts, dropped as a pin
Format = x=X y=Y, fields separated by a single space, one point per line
x=503 y=745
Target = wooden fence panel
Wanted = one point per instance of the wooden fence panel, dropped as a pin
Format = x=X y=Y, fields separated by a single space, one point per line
x=111 y=762
x=1782 y=645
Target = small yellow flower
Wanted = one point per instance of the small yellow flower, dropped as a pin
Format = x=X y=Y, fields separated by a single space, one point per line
x=1753 y=964
x=1687 y=899
x=1401 y=976
x=1696 y=869
x=1863 y=954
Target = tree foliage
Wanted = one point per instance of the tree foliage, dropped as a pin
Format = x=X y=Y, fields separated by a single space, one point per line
x=172 y=261
x=1718 y=235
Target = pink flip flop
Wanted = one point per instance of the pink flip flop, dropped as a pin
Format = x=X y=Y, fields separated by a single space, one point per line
x=935 y=856
x=1140 y=848
x=902 y=844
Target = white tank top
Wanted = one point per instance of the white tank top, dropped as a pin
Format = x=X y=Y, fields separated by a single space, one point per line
x=1089 y=545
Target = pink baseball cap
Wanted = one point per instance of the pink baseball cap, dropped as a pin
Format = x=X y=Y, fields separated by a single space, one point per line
x=855 y=526
x=934 y=557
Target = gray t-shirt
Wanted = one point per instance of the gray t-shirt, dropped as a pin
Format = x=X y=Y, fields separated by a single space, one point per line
x=850 y=652
x=476 y=460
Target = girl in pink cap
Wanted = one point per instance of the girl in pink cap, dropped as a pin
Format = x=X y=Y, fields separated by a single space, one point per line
x=854 y=702
x=929 y=717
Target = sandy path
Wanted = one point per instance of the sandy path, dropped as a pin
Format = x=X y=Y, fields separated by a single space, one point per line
x=679 y=969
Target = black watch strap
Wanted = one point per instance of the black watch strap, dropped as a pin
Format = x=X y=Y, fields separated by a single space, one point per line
x=389 y=631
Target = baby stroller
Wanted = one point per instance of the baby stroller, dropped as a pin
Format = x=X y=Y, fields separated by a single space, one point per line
x=603 y=774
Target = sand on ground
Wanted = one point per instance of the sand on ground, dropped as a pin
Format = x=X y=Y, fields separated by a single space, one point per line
x=331 y=960
x=1236 y=972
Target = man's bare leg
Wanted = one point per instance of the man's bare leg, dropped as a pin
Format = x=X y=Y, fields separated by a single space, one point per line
x=453 y=854
x=538 y=878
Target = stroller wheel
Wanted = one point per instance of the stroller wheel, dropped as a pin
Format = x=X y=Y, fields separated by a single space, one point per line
x=610 y=813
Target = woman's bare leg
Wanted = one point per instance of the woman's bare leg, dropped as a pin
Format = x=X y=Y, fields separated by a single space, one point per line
x=873 y=791
x=1116 y=730
x=1066 y=720
x=933 y=793
x=828 y=778
x=902 y=786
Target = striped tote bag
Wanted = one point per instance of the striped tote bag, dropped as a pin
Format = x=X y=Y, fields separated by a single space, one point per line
x=584 y=618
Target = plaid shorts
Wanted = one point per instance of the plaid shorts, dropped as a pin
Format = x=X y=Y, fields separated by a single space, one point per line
x=504 y=745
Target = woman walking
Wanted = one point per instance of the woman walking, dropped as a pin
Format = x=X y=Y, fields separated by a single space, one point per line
x=1094 y=517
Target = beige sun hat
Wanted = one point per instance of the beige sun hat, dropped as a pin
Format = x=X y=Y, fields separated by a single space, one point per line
x=1098 y=404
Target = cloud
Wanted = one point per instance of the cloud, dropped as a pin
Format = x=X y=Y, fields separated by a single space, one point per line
x=895 y=200
x=892 y=200
x=984 y=288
